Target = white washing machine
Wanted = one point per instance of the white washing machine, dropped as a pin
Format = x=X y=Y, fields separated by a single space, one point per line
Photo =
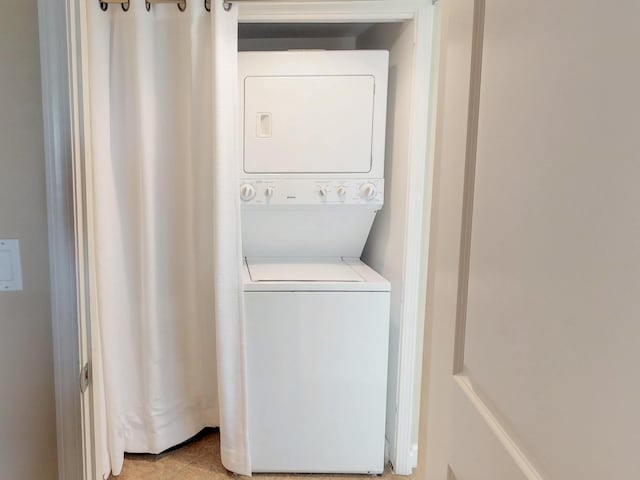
x=317 y=318
x=317 y=347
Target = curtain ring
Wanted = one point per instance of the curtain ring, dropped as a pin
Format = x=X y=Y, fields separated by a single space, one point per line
x=227 y=6
x=182 y=6
x=103 y=6
x=207 y=5
x=147 y=5
x=125 y=5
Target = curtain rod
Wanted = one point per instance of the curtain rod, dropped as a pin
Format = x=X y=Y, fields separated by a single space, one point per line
x=182 y=4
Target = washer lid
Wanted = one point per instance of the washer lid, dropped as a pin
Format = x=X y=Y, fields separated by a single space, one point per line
x=301 y=270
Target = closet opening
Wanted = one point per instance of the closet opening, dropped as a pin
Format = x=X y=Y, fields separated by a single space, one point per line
x=396 y=245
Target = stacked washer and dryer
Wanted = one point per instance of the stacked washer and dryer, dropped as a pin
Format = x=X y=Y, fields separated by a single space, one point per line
x=317 y=317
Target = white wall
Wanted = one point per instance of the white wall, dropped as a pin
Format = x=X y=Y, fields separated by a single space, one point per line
x=27 y=412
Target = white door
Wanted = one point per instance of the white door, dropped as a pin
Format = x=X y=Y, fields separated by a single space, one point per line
x=535 y=260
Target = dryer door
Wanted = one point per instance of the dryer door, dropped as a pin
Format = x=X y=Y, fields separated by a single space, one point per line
x=308 y=124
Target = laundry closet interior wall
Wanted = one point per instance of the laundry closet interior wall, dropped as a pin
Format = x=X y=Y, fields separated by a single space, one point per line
x=397 y=230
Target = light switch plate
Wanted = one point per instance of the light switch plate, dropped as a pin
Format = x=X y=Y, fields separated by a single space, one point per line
x=10 y=270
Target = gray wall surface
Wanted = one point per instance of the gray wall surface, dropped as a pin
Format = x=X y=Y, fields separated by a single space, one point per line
x=27 y=404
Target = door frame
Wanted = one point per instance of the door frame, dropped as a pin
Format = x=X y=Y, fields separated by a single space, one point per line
x=62 y=25
x=64 y=126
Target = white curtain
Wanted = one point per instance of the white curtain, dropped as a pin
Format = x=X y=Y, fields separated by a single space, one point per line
x=167 y=254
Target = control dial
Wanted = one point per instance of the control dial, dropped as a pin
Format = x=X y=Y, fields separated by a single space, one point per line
x=368 y=191
x=341 y=191
x=268 y=192
x=247 y=192
x=322 y=191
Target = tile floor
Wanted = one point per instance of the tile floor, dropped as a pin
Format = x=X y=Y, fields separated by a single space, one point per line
x=199 y=459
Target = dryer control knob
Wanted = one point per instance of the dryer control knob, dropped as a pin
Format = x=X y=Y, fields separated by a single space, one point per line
x=247 y=192
x=268 y=192
x=368 y=191
x=341 y=191
x=322 y=191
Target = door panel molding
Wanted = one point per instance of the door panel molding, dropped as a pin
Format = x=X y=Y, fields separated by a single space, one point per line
x=477 y=425
x=473 y=116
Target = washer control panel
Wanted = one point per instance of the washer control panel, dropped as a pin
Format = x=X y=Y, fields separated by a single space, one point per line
x=312 y=192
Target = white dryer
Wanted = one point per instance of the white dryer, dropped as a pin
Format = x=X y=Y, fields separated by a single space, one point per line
x=317 y=318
